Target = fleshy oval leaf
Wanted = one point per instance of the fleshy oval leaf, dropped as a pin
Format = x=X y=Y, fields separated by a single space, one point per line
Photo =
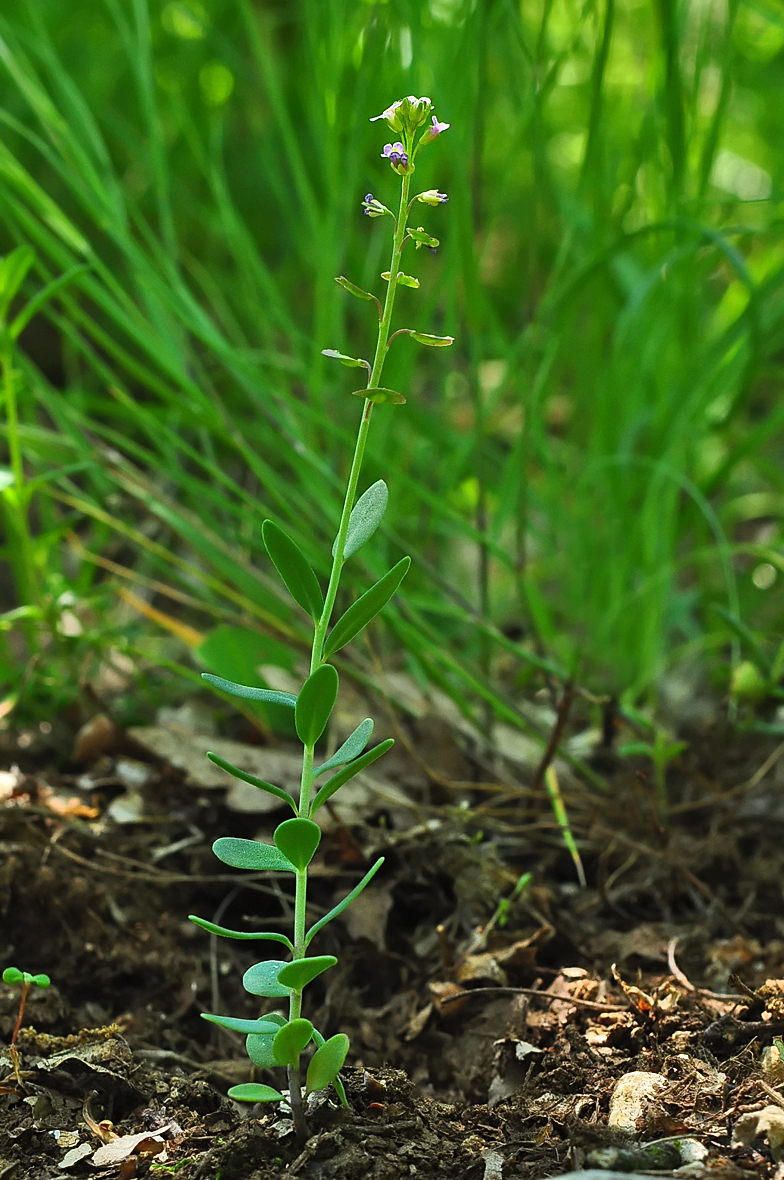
x=248 y=693
x=41 y=980
x=293 y=567
x=347 y=773
x=315 y=702
x=260 y=1026
x=12 y=975
x=254 y=1092
x=262 y=979
x=380 y=396
x=298 y=840
x=258 y=1046
x=290 y=1040
x=365 y=517
x=251 y=779
x=327 y=1061
x=365 y=608
x=300 y=972
x=351 y=748
x=251 y=854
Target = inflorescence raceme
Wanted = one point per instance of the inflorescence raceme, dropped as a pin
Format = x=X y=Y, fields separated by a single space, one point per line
x=277 y=1039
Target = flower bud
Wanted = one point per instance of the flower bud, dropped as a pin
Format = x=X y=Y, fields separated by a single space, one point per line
x=432 y=196
x=373 y=208
x=392 y=115
x=398 y=157
x=432 y=131
x=407 y=114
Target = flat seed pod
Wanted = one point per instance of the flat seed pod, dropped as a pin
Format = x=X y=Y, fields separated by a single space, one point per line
x=315 y=702
x=250 y=854
x=351 y=362
x=365 y=608
x=347 y=285
x=262 y=979
x=298 y=840
x=432 y=341
x=300 y=972
x=403 y=280
x=254 y=1092
x=327 y=1062
x=291 y=1040
x=351 y=748
x=380 y=396
x=292 y=565
x=365 y=517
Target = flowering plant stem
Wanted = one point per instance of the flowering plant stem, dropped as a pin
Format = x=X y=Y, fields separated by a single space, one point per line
x=320 y=632
x=272 y=1039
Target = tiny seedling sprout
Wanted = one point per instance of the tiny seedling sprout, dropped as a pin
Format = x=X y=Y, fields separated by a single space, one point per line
x=12 y=976
x=274 y=1040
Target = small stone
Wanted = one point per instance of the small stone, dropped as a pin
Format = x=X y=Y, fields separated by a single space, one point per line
x=634 y=1093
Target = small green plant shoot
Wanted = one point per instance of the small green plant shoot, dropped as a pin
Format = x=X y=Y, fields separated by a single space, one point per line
x=274 y=1040
x=12 y=976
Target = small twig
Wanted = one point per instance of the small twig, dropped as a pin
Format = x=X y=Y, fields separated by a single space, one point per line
x=556 y=733
x=774 y=1094
x=675 y=969
x=685 y=982
x=532 y=991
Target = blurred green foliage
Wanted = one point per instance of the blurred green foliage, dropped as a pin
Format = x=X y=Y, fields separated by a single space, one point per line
x=593 y=466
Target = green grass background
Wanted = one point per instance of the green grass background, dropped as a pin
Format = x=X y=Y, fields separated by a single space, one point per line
x=590 y=481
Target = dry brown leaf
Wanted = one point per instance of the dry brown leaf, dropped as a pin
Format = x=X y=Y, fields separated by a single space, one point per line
x=144 y=1143
x=484 y=966
x=441 y=991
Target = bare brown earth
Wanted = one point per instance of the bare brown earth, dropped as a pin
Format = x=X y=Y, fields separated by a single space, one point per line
x=482 y=1049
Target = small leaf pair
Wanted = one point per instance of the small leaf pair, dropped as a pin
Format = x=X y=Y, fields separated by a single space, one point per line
x=275 y=979
x=296 y=841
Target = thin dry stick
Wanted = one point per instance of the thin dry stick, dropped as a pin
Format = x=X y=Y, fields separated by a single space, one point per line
x=532 y=991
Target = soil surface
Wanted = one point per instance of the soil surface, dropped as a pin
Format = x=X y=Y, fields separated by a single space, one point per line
x=627 y=1025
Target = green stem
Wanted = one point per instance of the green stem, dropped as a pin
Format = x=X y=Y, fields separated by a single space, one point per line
x=364 y=427
x=320 y=631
